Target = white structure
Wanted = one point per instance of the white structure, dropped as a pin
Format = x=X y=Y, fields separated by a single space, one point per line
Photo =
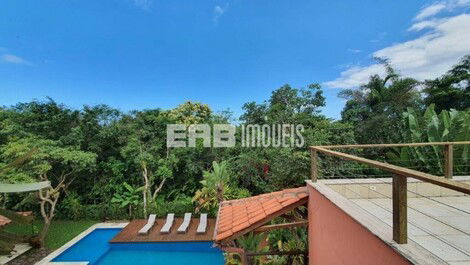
x=186 y=221
x=151 y=221
x=169 y=223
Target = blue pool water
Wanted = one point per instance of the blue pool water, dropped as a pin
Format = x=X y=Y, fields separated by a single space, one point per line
x=95 y=249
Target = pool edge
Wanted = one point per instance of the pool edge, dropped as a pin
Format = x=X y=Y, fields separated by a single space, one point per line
x=48 y=259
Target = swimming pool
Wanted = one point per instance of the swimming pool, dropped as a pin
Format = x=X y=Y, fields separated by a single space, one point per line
x=95 y=249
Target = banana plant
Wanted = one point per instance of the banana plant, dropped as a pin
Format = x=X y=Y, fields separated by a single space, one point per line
x=129 y=197
x=447 y=126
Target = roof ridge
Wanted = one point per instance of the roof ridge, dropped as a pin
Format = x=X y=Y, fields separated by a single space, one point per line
x=290 y=191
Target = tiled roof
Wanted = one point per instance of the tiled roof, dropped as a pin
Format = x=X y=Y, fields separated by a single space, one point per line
x=241 y=216
x=4 y=221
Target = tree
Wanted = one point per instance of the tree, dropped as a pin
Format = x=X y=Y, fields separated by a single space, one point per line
x=191 y=113
x=91 y=129
x=128 y=197
x=286 y=105
x=50 y=162
x=452 y=90
x=146 y=150
x=213 y=186
x=375 y=109
x=254 y=113
x=262 y=170
x=216 y=187
x=46 y=119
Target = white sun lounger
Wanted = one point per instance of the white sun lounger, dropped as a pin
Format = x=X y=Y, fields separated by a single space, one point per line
x=150 y=222
x=202 y=227
x=169 y=223
x=184 y=226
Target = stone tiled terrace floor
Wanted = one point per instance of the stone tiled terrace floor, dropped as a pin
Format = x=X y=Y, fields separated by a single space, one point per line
x=438 y=219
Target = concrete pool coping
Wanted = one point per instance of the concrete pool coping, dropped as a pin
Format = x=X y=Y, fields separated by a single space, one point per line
x=48 y=259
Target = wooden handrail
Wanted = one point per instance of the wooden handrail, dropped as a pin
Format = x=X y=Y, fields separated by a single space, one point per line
x=347 y=146
x=446 y=183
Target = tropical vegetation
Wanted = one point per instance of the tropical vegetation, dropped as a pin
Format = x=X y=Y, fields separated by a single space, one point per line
x=107 y=164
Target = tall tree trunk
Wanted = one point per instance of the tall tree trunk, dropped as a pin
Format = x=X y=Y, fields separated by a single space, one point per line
x=146 y=187
x=44 y=231
x=158 y=189
x=49 y=198
x=220 y=193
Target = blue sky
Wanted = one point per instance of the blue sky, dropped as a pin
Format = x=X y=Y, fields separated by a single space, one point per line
x=136 y=54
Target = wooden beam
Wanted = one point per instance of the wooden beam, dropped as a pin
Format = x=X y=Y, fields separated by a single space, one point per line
x=400 y=221
x=314 y=165
x=446 y=183
x=392 y=145
x=280 y=226
x=448 y=160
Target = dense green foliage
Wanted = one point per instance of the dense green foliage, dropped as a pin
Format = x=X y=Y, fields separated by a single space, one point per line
x=92 y=151
x=447 y=126
x=452 y=90
x=375 y=108
x=217 y=186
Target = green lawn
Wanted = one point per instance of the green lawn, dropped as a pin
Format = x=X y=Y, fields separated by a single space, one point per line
x=60 y=232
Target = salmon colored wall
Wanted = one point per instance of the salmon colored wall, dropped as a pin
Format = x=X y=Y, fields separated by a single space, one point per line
x=336 y=238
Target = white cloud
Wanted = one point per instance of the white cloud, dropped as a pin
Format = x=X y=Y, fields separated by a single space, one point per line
x=355 y=76
x=438 y=7
x=10 y=58
x=427 y=56
x=143 y=4
x=430 y=11
x=219 y=11
x=425 y=24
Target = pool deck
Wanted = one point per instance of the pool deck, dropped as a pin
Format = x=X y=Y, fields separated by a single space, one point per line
x=130 y=233
x=48 y=259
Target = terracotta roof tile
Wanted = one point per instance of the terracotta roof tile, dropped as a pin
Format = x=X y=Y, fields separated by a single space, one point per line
x=241 y=226
x=290 y=201
x=238 y=215
x=223 y=235
x=273 y=209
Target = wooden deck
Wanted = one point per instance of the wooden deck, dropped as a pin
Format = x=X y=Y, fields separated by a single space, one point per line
x=130 y=232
